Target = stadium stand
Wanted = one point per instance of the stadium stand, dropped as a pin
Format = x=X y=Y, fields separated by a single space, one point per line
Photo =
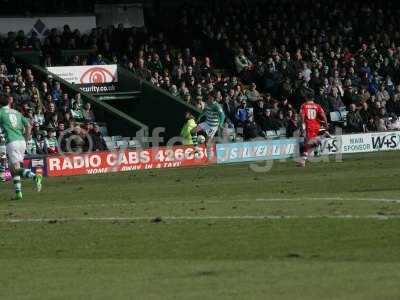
x=258 y=68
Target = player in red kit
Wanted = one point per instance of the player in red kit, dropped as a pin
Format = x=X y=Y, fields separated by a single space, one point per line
x=312 y=115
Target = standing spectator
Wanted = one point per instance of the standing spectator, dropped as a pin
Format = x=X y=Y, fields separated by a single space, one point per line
x=365 y=114
x=291 y=124
x=229 y=109
x=98 y=142
x=76 y=140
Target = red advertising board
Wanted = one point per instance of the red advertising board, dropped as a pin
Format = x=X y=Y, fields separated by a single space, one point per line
x=127 y=160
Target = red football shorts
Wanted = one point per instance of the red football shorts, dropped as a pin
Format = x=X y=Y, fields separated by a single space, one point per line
x=312 y=133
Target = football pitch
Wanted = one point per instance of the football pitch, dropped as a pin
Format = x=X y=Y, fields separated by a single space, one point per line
x=328 y=231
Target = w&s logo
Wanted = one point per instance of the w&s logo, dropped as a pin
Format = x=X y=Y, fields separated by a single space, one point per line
x=386 y=142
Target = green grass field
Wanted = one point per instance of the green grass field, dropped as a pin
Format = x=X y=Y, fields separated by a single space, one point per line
x=329 y=231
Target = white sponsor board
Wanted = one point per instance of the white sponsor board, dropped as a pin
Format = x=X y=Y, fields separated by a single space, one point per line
x=96 y=74
x=42 y=25
x=92 y=79
x=364 y=142
x=256 y=150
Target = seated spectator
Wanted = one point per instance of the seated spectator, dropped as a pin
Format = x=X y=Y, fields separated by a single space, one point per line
x=98 y=60
x=36 y=130
x=76 y=113
x=51 y=110
x=372 y=124
x=60 y=129
x=354 y=120
x=259 y=111
x=31 y=146
x=65 y=101
x=382 y=94
x=7 y=90
x=29 y=116
x=21 y=96
x=40 y=143
x=36 y=101
x=250 y=129
x=67 y=119
x=206 y=67
x=44 y=89
x=381 y=124
x=243 y=65
x=155 y=63
x=268 y=122
x=52 y=122
x=51 y=141
x=174 y=91
x=78 y=100
x=242 y=113
x=199 y=103
x=252 y=94
x=142 y=71
x=285 y=106
x=281 y=121
x=87 y=113
x=57 y=93
x=336 y=100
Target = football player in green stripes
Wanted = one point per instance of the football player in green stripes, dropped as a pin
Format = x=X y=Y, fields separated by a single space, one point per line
x=3 y=157
x=17 y=130
x=214 y=119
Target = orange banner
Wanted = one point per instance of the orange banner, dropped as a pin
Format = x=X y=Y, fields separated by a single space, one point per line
x=128 y=160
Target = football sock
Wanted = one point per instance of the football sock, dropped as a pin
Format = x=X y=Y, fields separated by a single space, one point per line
x=2 y=170
x=17 y=183
x=194 y=139
x=26 y=173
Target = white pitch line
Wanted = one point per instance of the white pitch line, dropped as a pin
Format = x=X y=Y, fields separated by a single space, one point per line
x=196 y=218
x=199 y=202
x=330 y=199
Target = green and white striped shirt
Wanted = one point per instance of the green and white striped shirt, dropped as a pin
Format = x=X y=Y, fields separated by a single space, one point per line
x=214 y=114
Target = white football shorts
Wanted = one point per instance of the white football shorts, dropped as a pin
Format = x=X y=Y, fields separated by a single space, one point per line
x=16 y=152
x=210 y=131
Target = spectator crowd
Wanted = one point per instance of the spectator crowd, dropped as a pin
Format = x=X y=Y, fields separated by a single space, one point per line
x=256 y=59
x=60 y=123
